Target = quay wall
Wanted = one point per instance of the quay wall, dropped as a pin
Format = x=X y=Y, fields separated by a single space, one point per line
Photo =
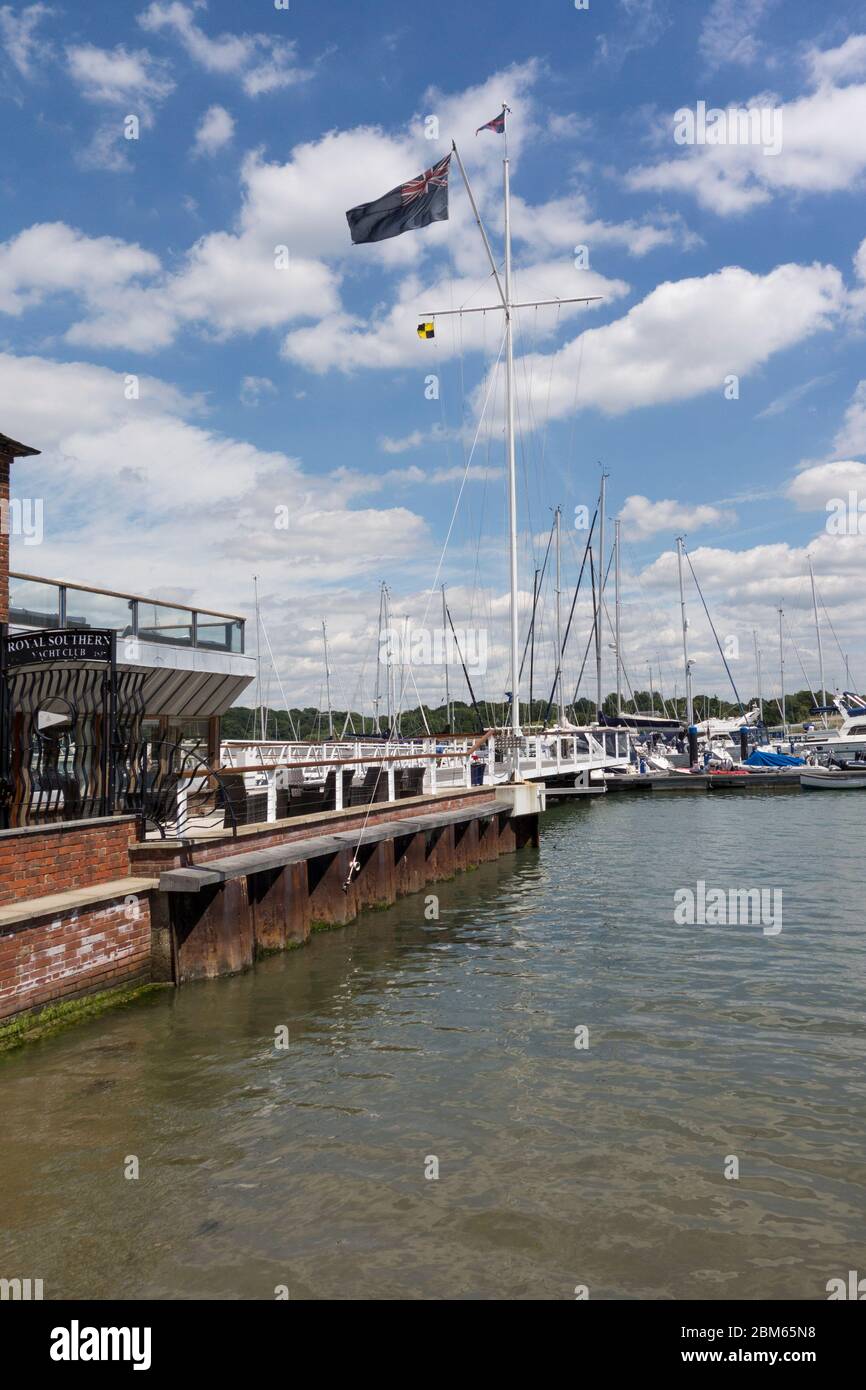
x=45 y=859
x=81 y=909
x=52 y=957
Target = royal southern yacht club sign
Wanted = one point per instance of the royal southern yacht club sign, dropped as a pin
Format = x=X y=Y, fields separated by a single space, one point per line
x=69 y=644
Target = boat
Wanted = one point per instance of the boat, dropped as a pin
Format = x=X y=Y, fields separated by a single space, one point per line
x=833 y=779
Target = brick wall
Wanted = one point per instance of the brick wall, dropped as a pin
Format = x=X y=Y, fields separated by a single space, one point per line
x=4 y=538
x=55 y=858
x=49 y=959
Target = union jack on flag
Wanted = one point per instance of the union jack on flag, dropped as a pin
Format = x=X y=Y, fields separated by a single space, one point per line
x=410 y=206
x=437 y=177
x=497 y=124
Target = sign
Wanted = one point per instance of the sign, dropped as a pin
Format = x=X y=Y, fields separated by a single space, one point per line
x=67 y=644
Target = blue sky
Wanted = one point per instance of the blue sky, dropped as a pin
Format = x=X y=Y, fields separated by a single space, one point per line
x=303 y=389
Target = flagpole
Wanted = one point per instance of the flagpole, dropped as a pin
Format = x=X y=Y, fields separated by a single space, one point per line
x=512 y=465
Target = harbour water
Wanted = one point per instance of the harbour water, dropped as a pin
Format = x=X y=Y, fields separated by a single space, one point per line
x=412 y=1039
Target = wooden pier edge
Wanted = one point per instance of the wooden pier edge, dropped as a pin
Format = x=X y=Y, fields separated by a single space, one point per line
x=216 y=917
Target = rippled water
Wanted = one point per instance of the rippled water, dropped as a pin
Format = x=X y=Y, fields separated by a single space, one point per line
x=455 y=1039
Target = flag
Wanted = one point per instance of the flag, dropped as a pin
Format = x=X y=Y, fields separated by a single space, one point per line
x=414 y=204
x=497 y=124
x=426 y=330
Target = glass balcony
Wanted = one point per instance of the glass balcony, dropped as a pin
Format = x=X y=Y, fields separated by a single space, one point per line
x=33 y=602
x=46 y=603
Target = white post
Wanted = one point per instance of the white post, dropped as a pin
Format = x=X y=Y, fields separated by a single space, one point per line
x=272 y=796
x=559 y=615
x=599 y=643
x=690 y=718
x=818 y=635
x=618 y=616
x=432 y=776
x=338 y=788
x=392 y=793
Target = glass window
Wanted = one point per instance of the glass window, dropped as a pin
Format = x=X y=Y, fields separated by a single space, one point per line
x=98 y=610
x=33 y=603
x=157 y=622
x=219 y=634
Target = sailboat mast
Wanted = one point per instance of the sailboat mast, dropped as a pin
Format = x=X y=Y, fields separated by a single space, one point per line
x=616 y=525
x=328 y=682
x=445 y=653
x=782 y=670
x=558 y=515
x=690 y=718
x=260 y=703
x=510 y=450
x=758 y=670
x=818 y=635
x=378 y=659
x=598 y=633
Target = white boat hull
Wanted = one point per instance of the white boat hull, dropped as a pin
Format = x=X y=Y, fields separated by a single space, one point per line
x=826 y=779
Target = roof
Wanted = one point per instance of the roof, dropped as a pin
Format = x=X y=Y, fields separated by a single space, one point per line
x=16 y=450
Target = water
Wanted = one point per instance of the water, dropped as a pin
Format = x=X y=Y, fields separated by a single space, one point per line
x=410 y=1038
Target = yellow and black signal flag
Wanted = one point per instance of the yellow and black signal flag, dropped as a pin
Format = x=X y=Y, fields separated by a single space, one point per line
x=426 y=330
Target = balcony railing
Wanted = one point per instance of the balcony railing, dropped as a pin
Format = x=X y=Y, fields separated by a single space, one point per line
x=49 y=603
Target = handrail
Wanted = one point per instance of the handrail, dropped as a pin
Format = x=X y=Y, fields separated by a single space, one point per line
x=133 y=598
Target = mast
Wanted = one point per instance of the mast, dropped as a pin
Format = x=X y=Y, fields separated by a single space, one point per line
x=559 y=615
x=616 y=526
x=782 y=670
x=690 y=716
x=379 y=657
x=328 y=683
x=598 y=633
x=261 y=709
x=532 y=642
x=818 y=635
x=758 y=669
x=512 y=465
x=445 y=653
x=652 y=697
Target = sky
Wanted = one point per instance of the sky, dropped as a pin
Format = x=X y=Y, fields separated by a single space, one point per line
x=222 y=386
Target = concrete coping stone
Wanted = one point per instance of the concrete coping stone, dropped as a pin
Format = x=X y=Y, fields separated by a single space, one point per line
x=195 y=877
x=56 y=904
x=63 y=827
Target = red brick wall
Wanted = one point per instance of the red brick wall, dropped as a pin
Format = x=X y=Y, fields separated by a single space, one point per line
x=49 y=959
x=4 y=538
x=53 y=859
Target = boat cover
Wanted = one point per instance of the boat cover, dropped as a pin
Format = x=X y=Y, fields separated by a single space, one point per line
x=760 y=759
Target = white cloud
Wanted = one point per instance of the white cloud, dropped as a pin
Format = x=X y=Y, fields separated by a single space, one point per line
x=253 y=388
x=152 y=458
x=51 y=257
x=660 y=351
x=728 y=33
x=262 y=62
x=823 y=151
x=814 y=487
x=347 y=343
x=215 y=130
x=835 y=65
x=18 y=36
x=851 y=438
x=642 y=518
x=780 y=404
x=117 y=77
